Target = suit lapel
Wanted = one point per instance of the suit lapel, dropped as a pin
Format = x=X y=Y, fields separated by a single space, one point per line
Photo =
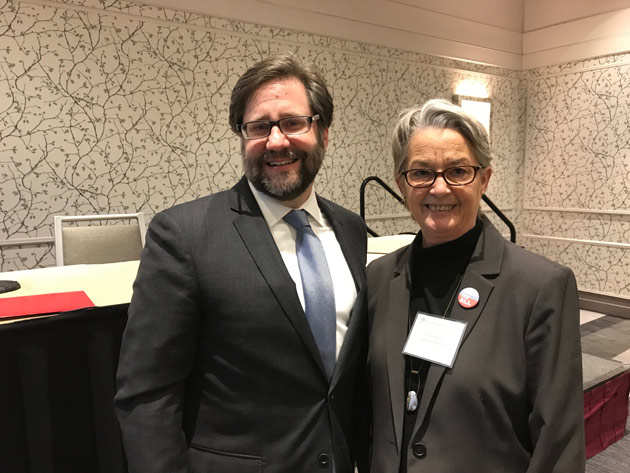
x=436 y=372
x=475 y=280
x=351 y=251
x=356 y=263
x=485 y=261
x=253 y=230
x=397 y=325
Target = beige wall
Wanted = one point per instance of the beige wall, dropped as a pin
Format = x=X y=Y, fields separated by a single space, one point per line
x=576 y=189
x=124 y=108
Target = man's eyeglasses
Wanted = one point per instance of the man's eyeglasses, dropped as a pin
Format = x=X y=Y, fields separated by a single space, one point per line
x=455 y=176
x=289 y=126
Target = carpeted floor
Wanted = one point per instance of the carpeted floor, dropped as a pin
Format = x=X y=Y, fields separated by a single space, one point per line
x=605 y=336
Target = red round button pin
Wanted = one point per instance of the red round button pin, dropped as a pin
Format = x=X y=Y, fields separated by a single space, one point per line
x=468 y=297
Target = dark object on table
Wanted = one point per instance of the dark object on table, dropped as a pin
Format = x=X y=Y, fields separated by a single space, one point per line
x=8 y=286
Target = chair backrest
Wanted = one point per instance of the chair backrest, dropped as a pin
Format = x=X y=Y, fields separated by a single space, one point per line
x=120 y=240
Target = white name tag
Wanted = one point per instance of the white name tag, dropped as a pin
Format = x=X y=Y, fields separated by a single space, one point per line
x=435 y=339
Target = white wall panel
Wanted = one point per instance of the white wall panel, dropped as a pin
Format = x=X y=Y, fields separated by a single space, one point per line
x=585 y=38
x=486 y=31
x=388 y=23
x=505 y=14
x=544 y=13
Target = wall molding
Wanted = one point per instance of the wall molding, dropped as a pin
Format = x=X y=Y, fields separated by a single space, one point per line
x=484 y=208
x=379 y=51
x=387 y=216
x=605 y=303
x=577 y=240
x=578 y=69
x=576 y=210
x=27 y=241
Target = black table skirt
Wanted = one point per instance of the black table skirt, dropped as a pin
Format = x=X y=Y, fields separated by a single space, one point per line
x=57 y=384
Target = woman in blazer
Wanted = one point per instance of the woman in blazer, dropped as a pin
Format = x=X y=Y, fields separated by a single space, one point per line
x=491 y=377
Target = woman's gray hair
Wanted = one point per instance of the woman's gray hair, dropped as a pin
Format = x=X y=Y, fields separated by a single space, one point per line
x=439 y=113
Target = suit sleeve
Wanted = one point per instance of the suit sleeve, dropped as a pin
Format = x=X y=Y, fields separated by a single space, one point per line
x=554 y=372
x=157 y=352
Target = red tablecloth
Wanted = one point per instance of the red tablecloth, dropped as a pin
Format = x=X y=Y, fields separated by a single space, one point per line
x=43 y=304
x=606 y=413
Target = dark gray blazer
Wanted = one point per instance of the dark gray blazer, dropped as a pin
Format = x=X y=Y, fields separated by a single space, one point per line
x=513 y=400
x=219 y=371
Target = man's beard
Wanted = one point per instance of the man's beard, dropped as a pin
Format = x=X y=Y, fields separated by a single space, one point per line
x=287 y=185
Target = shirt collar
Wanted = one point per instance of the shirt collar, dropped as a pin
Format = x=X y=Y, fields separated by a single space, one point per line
x=274 y=210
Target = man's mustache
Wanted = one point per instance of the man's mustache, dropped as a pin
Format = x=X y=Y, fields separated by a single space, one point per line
x=288 y=154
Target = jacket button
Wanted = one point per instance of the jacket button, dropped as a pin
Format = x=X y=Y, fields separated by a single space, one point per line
x=419 y=450
x=323 y=460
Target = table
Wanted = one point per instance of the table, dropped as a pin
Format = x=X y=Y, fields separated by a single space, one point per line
x=606 y=388
x=105 y=284
x=379 y=246
x=57 y=374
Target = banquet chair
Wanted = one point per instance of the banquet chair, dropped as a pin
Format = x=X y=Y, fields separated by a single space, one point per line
x=93 y=239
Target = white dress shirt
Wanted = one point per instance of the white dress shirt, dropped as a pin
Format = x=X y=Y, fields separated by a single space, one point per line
x=284 y=235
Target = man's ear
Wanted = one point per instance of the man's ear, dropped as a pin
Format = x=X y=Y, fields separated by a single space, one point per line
x=325 y=138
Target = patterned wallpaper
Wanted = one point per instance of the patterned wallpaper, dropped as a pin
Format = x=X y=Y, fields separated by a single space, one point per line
x=112 y=106
x=577 y=170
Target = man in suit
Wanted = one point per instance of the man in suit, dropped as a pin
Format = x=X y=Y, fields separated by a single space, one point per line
x=220 y=368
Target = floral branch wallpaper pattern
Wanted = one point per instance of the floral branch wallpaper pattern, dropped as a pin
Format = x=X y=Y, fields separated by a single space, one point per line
x=577 y=170
x=113 y=106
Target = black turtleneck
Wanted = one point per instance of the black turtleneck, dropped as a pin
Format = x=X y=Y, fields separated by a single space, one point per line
x=436 y=273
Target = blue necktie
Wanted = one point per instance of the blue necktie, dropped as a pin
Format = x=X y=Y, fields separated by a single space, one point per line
x=319 y=294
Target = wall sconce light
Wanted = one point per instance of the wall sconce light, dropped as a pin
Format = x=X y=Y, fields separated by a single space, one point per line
x=478 y=107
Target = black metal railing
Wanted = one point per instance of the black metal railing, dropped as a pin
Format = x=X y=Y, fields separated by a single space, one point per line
x=502 y=216
x=362 y=198
x=394 y=194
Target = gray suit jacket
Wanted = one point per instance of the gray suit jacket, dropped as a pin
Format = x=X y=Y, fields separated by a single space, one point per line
x=219 y=371
x=513 y=400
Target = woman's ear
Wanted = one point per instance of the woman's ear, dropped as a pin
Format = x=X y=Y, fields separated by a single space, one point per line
x=403 y=188
x=485 y=178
